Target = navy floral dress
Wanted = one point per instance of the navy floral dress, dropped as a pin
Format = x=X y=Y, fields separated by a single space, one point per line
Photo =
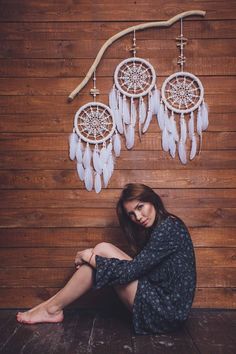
x=166 y=274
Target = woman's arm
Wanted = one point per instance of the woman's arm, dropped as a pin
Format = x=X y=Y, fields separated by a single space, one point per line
x=164 y=241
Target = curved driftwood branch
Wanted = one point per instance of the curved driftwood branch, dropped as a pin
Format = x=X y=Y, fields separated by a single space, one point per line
x=124 y=32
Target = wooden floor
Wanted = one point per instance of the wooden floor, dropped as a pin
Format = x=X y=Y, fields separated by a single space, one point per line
x=83 y=331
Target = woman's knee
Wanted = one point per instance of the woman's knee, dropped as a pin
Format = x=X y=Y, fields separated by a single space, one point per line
x=103 y=248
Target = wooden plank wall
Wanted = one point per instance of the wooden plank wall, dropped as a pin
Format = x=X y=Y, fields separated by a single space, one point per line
x=46 y=214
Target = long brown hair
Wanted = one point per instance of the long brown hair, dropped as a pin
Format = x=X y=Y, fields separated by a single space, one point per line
x=137 y=235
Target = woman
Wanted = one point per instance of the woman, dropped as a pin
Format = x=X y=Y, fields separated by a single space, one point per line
x=157 y=285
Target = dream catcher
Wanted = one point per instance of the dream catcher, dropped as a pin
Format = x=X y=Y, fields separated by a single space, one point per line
x=92 y=142
x=134 y=78
x=182 y=94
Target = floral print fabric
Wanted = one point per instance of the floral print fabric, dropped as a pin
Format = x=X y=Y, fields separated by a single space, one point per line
x=166 y=274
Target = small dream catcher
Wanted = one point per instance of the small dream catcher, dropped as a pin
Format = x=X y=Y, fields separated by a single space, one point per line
x=92 y=142
x=182 y=94
x=134 y=78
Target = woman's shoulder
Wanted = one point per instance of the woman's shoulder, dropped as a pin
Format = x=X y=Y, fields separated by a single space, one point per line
x=168 y=224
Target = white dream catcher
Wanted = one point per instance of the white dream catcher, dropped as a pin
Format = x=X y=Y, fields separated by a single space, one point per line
x=92 y=142
x=134 y=78
x=182 y=93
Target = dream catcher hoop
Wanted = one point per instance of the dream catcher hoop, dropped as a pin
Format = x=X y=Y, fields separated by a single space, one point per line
x=92 y=142
x=182 y=93
x=134 y=78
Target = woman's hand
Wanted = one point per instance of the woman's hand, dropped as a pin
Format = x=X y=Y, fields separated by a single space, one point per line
x=83 y=257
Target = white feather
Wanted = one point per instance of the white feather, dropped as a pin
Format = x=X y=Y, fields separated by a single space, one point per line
x=165 y=139
x=126 y=113
x=161 y=117
x=105 y=175
x=97 y=183
x=191 y=125
x=110 y=165
x=173 y=127
x=109 y=148
x=182 y=152
x=104 y=155
x=133 y=112
x=148 y=121
x=172 y=145
x=130 y=137
x=96 y=161
x=88 y=178
x=120 y=103
x=199 y=121
x=79 y=152
x=117 y=145
x=87 y=156
x=183 y=130
x=193 y=147
x=205 y=121
x=156 y=101
x=80 y=170
x=73 y=139
x=142 y=110
x=113 y=99
x=167 y=121
x=118 y=120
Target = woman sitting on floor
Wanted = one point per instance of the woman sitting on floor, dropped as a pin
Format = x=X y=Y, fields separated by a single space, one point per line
x=157 y=285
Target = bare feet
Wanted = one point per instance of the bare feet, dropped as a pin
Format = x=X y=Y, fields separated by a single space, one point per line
x=40 y=314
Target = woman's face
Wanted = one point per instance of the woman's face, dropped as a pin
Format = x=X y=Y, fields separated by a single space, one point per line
x=142 y=213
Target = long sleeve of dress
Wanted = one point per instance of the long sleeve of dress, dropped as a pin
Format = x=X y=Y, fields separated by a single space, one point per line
x=163 y=242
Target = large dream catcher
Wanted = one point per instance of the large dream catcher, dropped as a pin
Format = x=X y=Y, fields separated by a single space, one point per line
x=182 y=94
x=92 y=142
x=134 y=78
x=133 y=100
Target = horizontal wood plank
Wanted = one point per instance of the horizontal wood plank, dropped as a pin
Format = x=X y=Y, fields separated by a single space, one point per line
x=88 y=48
x=57 y=277
x=85 y=237
x=71 y=217
x=68 y=179
x=58 y=104
x=150 y=141
x=71 y=67
x=57 y=123
x=146 y=160
x=101 y=11
x=206 y=29
x=58 y=257
x=29 y=297
x=172 y=198
x=61 y=86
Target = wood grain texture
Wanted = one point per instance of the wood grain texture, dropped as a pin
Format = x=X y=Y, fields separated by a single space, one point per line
x=28 y=297
x=145 y=160
x=208 y=277
x=107 y=11
x=45 y=212
x=88 y=237
x=68 y=179
x=57 y=123
x=201 y=29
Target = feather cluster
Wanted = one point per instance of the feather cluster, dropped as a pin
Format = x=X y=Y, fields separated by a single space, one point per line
x=174 y=139
x=95 y=165
x=127 y=112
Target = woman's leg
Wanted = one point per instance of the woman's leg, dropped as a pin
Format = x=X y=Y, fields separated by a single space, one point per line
x=81 y=281
x=52 y=309
x=126 y=292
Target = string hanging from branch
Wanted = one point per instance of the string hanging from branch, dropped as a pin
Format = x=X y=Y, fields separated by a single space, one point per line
x=93 y=143
x=124 y=32
x=182 y=94
x=134 y=80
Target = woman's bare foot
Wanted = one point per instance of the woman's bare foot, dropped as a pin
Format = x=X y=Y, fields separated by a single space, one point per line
x=40 y=314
